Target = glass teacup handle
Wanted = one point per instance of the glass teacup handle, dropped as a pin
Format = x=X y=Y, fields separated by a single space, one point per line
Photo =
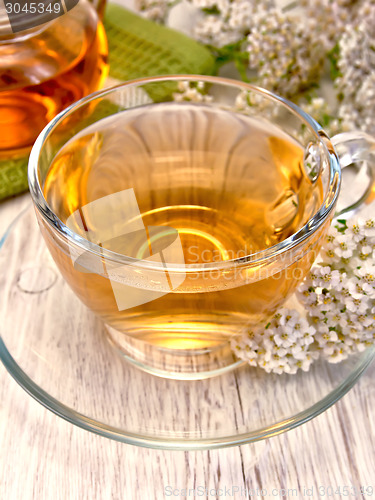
x=357 y=149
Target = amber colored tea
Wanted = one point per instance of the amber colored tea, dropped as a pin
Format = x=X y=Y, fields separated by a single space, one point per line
x=43 y=73
x=231 y=185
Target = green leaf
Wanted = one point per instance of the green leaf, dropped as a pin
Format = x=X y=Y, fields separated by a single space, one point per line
x=326 y=119
x=343 y=227
x=211 y=11
x=232 y=52
x=333 y=57
x=241 y=68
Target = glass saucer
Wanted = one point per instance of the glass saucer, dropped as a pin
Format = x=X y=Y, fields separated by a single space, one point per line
x=57 y=350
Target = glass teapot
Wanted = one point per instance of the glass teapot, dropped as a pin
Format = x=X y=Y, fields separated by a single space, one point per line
x=52 y=53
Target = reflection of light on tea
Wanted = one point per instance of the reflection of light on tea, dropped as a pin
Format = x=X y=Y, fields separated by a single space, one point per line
x=174 y=207
x=282 y=213
x=165 y=159
x=371 y=197
x=253 y=273
x=182 y=335
x=215 y=242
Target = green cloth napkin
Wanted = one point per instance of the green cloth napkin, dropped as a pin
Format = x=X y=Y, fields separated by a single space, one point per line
x=137 y=48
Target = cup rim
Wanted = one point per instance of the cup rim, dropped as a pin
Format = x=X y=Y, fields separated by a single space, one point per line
x=319 y=217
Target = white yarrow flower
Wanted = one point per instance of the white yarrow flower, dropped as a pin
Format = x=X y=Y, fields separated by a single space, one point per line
x=339 y=300
x=284 y=52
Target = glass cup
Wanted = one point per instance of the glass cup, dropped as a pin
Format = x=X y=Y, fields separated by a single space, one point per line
x=183 y=210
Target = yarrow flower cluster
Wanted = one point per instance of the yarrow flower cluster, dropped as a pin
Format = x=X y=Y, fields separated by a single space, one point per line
x=331 y=18
x=227 y=21
x=282 y=346
x=324 y=114
x=285 y=52
x=156 y=10
x=338 y=299
x=288 y=49
x=224 y=22
x=356 y=83
x=191 y=91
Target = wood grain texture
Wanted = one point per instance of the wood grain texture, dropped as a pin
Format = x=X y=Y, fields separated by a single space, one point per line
x=44 y=457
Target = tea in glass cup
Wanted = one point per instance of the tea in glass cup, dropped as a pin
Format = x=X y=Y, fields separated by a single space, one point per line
x=181 y=218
